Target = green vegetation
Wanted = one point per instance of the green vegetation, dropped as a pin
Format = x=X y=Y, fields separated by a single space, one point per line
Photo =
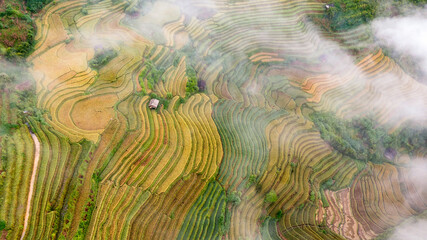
x=253 y=179
x=18 y=84
x=418 y=2
x=102 y=57
x=191 y=87
x=6 y=128
x=152 y=73
x=312 y=196
x=207 y=218
x=327 y=184
x=86 y=215
x=36 y=5
x=208 y=169
x=271 y=197
x=2 y=224
x=234 y=197
x=325 y=202
x=16 y=31
x=162 y=101
x=347 y=14
x=361 y=139
x=279 y=215
x=269 y=229
x=169 y=96
x=225 y=222
x=244 y=141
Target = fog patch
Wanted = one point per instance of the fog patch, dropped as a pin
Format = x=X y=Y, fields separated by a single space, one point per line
x=405 y=35
x=413 y=230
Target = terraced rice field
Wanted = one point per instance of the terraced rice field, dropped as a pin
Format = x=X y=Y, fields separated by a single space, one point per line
x=206 y=163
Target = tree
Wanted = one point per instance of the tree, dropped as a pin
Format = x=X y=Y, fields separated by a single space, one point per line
x=5 y=78
x=346 y=14
x=271 y=197
x=234 y=197
x=2 y=225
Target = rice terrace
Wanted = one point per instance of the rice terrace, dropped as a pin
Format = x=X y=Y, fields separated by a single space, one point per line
x=213 y=119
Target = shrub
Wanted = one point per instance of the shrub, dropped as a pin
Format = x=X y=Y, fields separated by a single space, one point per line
x=234 y=197
x=271 y=197
x=328 y=184
x=169 y=95
x=153 y=95
x=2 y=225
x=312 y=196
x=102 y=57
x=279 y=215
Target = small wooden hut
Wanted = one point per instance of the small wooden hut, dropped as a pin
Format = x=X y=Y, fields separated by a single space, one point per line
x=154 y=103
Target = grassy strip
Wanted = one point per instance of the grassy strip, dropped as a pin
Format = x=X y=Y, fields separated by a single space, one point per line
x=90 y=206
x=206 y=218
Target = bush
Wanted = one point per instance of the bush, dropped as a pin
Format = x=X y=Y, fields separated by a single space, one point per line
x=2 y=225
x=253 y=179
x=234 y=197
x=169 y=95
x=279 y=215
x=312 y=196
x=102 y=57
x=271 y=197
x=153 y=95
x=328 y=184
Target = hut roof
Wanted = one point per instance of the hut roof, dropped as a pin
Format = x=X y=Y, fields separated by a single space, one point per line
x=154 y=103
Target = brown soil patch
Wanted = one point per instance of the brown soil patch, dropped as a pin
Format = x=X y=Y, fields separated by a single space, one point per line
x=3 y=235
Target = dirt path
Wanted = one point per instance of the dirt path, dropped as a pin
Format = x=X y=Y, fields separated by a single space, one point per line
x=33 y=179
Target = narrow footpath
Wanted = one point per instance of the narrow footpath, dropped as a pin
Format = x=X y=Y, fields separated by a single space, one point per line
x=33 y=179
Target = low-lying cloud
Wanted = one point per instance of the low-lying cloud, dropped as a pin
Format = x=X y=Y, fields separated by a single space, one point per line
x=405 y=35
x=413 y=230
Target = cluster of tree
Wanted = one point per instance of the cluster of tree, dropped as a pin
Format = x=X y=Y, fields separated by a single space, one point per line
x=152 y=73
x=234 y=197
x=362 y=139
x=36 y=5
x=418 y=2
x=102 y=57
x=192 y=85
x=346 y=14
x=16 y=31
